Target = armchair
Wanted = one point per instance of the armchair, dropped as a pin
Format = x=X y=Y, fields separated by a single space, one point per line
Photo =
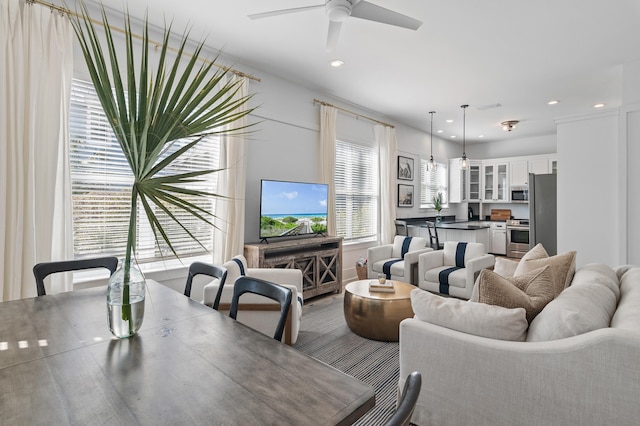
x=454 y=269
x=258 y=312
x=398 y=261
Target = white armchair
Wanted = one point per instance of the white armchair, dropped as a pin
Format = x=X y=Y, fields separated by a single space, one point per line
x=398 y=261
x=258 y=312
x=454 y=269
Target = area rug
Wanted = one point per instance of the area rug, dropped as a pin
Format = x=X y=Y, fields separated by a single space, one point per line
x=324 y=335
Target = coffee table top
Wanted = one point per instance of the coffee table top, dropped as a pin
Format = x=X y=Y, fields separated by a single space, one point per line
x=361 y=288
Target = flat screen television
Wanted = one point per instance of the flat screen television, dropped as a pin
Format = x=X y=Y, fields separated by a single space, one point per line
x=292 y=208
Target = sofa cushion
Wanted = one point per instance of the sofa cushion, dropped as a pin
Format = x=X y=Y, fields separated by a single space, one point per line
x=470 y=251
x=563 y=266
x=587 y=305
x=627 y=315
x=494 y=322
x=531 y=291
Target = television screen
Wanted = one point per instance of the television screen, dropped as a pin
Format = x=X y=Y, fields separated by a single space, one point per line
x=292 y=208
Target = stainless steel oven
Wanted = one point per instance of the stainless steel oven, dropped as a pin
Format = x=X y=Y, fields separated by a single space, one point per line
x=517 y=237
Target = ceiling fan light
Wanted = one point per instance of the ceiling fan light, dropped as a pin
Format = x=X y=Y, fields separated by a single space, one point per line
x=509 y=125
x=338 y=10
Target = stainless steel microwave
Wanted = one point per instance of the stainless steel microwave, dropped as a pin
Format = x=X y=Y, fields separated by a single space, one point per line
x=520 y=194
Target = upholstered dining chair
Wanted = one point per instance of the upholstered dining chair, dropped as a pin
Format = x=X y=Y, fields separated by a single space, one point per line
x=398 y=261
x=201 y=268
x=261 y=313
x=273 y=291
x=453 y=270
x=407 y=401
x=44 y=269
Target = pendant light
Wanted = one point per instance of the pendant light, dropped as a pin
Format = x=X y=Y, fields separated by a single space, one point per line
x=464 y=161
x=431 y=164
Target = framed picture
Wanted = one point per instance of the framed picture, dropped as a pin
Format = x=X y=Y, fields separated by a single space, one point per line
x=405 y=168
x=405 y=195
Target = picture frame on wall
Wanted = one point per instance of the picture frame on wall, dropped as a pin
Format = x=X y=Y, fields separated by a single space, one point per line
x=405 y=195
x=405 y=168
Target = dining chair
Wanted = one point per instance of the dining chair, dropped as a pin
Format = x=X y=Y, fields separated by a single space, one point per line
x=264 y=288
x=44 y=269
x=201 y=268
x=401 y=227
x=407 y=402
x=434 y=241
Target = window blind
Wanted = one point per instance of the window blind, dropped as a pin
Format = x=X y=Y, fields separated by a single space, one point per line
x=432 y=182
x=101 y=182
x=356 y=186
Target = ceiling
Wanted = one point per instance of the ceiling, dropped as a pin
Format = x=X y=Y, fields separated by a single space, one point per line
x=519 y=54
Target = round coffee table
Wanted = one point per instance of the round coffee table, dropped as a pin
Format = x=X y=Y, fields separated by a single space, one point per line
x=377 y=315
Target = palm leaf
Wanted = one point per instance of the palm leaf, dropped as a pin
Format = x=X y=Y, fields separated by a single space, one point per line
x=182 y=99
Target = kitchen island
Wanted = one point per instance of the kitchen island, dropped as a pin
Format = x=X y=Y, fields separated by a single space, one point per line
x=471 y=232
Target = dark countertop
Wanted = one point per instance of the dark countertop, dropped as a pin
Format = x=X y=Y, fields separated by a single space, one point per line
x=465 y=226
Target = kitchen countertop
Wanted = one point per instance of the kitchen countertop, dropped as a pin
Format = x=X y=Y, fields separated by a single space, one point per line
x=465 y=226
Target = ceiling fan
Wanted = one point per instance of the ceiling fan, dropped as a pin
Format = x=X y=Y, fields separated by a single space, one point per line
x=339 y=10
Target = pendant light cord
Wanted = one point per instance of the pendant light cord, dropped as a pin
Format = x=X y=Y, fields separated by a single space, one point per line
x=464 y=128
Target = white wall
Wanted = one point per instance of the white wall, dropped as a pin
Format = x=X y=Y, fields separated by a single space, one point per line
x=513 y=147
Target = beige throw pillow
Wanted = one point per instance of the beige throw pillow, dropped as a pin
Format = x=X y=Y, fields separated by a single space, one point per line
x=479 y=319
x=563 y=266
x=531 y=291
x=505 y=267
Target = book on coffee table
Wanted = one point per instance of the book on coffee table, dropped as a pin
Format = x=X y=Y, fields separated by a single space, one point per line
x=387 y=287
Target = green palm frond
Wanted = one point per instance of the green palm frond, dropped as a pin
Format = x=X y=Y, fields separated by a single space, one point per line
x=185 y=97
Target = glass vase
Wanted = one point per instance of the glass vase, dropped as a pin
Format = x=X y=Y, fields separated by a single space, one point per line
x=125 y=302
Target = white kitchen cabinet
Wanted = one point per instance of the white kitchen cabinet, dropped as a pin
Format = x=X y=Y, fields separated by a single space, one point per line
x=495 y=182
x=553 y=164
x=498 y=238
x=457 y=181
x=539 y=166
x=519 y=171
x=475 y=192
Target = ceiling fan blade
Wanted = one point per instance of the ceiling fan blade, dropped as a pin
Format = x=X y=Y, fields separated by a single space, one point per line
x=283 y=11
x=369 y=11
x=332 y=37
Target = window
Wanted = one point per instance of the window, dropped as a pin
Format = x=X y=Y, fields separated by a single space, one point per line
x=356 y=184
x=101 y=182
x=431 y=183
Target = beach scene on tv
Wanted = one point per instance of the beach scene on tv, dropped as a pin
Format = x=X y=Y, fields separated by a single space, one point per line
x=292 y=208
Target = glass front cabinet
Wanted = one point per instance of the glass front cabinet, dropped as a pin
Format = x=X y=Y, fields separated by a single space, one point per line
x=495 y=182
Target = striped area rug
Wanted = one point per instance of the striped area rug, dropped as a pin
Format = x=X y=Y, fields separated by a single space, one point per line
x=324 y=335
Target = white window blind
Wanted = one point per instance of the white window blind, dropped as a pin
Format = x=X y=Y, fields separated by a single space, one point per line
x=101 y=182
x=356 y=184
x=432 y=182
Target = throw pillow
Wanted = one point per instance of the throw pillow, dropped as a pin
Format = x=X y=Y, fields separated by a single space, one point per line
x=505 y=267
x=531 y=291
x=479 y=319
x=563 y=266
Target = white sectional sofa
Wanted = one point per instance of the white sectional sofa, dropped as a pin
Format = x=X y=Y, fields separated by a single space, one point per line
x=576 y=363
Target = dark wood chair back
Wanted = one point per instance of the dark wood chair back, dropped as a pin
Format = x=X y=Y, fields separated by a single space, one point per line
x=201 y=268
x=273 y=291
x=401 y=227
x=44 y=269
x=407 y=404
x=434 y=241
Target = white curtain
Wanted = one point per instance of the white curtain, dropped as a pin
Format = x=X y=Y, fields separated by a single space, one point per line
x=228 y=237
x=328 y=160
x=36 y=65
x=387 y=145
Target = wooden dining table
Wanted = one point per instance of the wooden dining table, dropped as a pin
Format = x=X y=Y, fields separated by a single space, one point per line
x=189 y=364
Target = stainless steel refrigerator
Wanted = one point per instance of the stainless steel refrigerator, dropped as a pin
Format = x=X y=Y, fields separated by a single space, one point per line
x=543 y=218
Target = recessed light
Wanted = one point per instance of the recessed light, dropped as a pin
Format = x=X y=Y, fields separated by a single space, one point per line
x=553 y=102
x=449 y=121
x=481 y=136
x=598 y=105
x=336 y=63
x=440 y=131
x=453 y=136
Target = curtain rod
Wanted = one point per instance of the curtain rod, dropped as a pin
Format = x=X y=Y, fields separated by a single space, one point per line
x=318 y=101
x=64 y=11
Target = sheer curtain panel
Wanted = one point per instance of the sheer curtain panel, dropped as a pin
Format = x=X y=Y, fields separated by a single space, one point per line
x=387 y=145
x=228 y=237
x=36 y=65
x=328 y=160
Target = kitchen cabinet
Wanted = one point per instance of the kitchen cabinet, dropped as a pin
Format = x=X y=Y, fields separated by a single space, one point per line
x=519 y=171
x=495 y=181
x=539 y=166
x=553 y=164
x=474 y=180
x=498 y=238
x=457 y=181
